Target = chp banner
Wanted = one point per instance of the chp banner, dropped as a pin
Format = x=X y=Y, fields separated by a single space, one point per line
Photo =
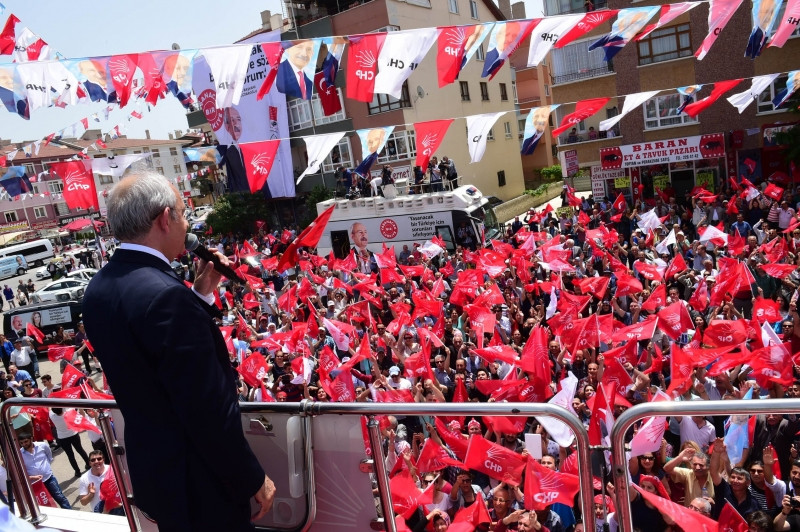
x=251 y=120
x=663 y=151
x=79 y=190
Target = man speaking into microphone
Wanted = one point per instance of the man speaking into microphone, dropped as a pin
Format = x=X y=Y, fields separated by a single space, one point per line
x=168 y=368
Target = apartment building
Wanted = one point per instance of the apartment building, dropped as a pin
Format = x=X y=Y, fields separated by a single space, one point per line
x=665 y=60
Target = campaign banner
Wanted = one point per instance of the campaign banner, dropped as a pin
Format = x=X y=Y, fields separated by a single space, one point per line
x=251 y=120
x=39 y=318
x=400 y=172
x=663 y=151
x=371 y=233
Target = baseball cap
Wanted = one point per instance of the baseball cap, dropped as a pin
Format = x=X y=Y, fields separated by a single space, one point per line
x=394 y=370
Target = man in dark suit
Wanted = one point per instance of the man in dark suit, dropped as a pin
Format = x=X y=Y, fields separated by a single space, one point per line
x=168 y=368
x=291 y=71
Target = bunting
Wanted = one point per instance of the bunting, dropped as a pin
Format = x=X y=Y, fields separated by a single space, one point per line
x=478 y=127
x=720 y=13
x=456 y=46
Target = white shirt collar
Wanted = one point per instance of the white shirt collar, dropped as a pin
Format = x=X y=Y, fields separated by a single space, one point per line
x=144 y=249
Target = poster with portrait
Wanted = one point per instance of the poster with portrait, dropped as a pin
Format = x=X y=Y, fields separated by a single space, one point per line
x=42 y=319
x=251 y=120
x=372 y=143
x=297 y=68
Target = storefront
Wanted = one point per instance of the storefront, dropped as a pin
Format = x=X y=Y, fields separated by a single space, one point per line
x=610 y=183
x=673 y=166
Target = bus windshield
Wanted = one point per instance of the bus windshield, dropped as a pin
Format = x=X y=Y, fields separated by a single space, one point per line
x=487 y=215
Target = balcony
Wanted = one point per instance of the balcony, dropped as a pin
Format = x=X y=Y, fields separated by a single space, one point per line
x=558 y=10
x=583 y=137
x=582 y=74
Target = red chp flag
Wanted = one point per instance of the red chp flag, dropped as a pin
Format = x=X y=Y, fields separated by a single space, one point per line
x=258 y=158
x=544 y=486
x=720 y=88
x=773 y=191
x=273 y=51
x=362 y=65
x=79 y=190
x=8 y=36
x=70 y=377
x=429 y=137
x=34 y=332
x=121 y=69
x=43 y=496
x=494 y=460
x=78 y=422
x=583 y=110
x=59 y=352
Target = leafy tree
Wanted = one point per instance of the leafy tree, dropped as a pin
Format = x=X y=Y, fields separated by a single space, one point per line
x=551 y=173
x=318 y=193
x=238 y=212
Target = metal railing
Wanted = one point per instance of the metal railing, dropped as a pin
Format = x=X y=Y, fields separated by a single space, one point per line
x=29 y=508
x=670 y=408
x=585 y=73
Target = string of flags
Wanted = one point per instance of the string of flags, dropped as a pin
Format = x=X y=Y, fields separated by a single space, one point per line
x=377 y=63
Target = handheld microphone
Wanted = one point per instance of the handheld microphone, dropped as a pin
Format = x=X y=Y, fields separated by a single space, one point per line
x=193 y=244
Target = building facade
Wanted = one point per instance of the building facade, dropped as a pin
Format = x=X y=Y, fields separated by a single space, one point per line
x=665 y=60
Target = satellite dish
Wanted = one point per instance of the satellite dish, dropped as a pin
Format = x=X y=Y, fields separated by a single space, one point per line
x=176 y=46
x=420 y=91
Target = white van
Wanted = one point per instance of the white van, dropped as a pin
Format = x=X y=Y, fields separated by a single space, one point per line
x=35 y=251
x=12 y=265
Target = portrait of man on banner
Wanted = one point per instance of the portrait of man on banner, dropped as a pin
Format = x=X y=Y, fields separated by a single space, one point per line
x=92 y=74
x=535 y=125
x=178 y=75
x=372 y=143
x=296 y=71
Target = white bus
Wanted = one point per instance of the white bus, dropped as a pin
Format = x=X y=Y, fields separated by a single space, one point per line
x=35 y=251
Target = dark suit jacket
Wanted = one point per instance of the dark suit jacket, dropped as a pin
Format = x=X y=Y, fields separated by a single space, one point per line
x=168 y=368
x=287 y=81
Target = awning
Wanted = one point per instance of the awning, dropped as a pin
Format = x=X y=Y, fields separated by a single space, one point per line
x=80 y=224
x=5 y=238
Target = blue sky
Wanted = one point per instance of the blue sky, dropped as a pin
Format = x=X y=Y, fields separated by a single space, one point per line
x=112 y=27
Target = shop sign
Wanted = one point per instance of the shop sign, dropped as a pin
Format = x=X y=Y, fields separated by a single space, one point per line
x=661 y=182
x=663 y=151
x=705 y=180
x=14 y=226
x=600 y=177
x=571 y=162
x=622 y=182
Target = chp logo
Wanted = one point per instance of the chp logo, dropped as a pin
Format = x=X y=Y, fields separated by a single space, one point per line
x=261 y=163
x=388 y=228
x=208 y=103
x=75 y=180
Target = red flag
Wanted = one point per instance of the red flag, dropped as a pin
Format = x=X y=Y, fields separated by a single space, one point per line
x=79 y=189
x=615 y=374
x=583 y=110
x=433 y=457
x=58 y=352
x=43 y=496
x=67 y=393
x=648 y=271
x=676 y=265
x=730 y=520
x=778 y=270
x=766 y=310
x=454 y=439
x=674 y=319
x=658 y=298
x=620 y=203
x=451 y=49
x=773 y=364
x=34 y=332
x=273 y=51
x=596 y=286
x=8 y=36
x=544 y=486
x=406 y=496
x=467 y=519
x=258 y=158
x=362 y=65
x=41 y=422
x=121 y=70
x=78 y=422
x=589 y=22
x=720 y=88
x=699 y=299
x=328 y=95
x=70 y=377
x=688 y=518
x=253 y=369
x=311 y=234
x=494 y=460
x=681 y=370
x=109 y=491
x=429 y=137
x=627 y=285
x=721 y=333
x=773 y=191
x=637 y=331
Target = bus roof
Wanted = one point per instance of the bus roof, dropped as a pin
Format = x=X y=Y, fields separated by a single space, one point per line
x=464 y=198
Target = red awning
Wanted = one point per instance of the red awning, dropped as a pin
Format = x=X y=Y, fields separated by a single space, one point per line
x=81 y=223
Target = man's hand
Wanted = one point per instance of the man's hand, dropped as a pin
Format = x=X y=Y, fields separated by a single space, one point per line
x=207 y=277
x=91 y=488
x=264 y=497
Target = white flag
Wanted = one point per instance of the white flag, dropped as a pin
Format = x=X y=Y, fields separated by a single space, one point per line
x=478 y=127
x=318 y=147
x=711 y=233
x=400 y=54
x=557 y=429
x=429 y=249
x=661 y=247
x=553 y=305
x=648 y=438
x=546 y=33
x=117 y=165
x=340 y=338
x=743 y=99
x=649 y=220
x=27 y=38
x=33 y=80
x=668 y=14
x=228 y=65
x=632 y=101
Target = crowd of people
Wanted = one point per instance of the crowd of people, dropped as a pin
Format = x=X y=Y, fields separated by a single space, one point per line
x=596 y=307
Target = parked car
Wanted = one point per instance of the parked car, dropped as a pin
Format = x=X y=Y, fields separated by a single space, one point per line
x=84 y=274
x=61 y=290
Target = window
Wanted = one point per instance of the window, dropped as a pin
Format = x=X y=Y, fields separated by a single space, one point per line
x=501 y=178
x=664 y=44
x=473 y=9
x=106 y=179
x=29 y=169
x=521 y=126
x=399 y=145
x=484 y=91
x=55 y=186
x=575 y=61
x=156 y=153
x=39 y=212
x=11 y=216
x=514 y=91
x=339 y=155
x=145 y=150
x=480 y=55
x=547 y=90
x=137 y=151
x=662 y=111
x=766 y=97
x=177 y=168
x=503 y=92
x=173 y=150
x=160 y=170
x=299 y=114
x=383 y=102
x=61 y=208
x=181 y=185
x=507 y=129
x=490 y=135
x=453 y=5
x=464 y=91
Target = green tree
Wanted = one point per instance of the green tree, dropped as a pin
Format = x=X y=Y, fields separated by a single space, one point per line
x=238 y=212
x=318 y=193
